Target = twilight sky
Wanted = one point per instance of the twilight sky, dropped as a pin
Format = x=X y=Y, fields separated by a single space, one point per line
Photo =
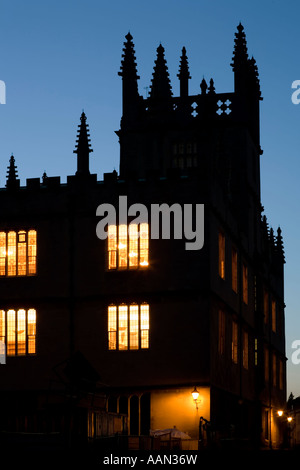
x=60 y=57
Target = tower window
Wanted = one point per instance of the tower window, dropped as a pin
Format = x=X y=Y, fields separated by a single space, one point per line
x=128 y=327
x=18 y=253
x=234 y=343
x=222 y=255
x=18 y=331
x=274 y=316
x=128 y=246
x=245 y=350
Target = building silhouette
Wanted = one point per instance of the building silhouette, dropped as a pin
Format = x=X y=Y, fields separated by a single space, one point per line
x=111 y=337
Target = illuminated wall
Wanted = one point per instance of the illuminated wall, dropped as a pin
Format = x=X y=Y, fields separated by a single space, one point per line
x=176 y=407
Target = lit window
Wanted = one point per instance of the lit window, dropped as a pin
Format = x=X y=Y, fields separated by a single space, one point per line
x=273 y=316
x=18 y=331
x=222 y=255
x=221 y=332
x=128 y=246
x=245 y=284
x=18 y=253
x=128 y=327
x=234 y=270
x=245 y=350
x=256 y=352
x=234 y=343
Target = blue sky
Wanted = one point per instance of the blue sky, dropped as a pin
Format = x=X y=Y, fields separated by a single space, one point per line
x=60 y=57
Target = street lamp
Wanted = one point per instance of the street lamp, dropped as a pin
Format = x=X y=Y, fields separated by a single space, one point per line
x=195 y=394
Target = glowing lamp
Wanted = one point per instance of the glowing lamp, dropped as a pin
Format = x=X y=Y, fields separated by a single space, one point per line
x=280 y=413
x=195 y=394
x=290 y=419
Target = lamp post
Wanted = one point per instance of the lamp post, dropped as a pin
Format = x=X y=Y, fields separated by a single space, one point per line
x=287 y=420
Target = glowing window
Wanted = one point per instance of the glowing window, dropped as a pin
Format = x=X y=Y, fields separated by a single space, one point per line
x=128 y=246
x=18 y=331
x=145 y=326
x=245 y=284
x=234 y=343
x=112 y=327
x=222 y=255
x=274 y=316
x=123 y=327
x=18 y=253
x=128 y=327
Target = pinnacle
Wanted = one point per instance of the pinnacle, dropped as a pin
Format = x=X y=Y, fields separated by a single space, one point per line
x=161 y=86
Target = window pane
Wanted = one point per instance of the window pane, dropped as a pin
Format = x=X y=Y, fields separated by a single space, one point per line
x=133 y=245
x=234 y=270
x=21 y=332
x=2 y=253
x=122 y=246
x=134 y=327
x=273 y=316
x=11 y=333
x=112 y=327
x=234 y=352
x=144 y=326
x=31 y=331
x=2 y=325
x=245 y=350
x=144 y=244
x=11 y=253
x=112 y=246
x=22 y=253
x=123 y=327
x=32 y=252
x=222 y=255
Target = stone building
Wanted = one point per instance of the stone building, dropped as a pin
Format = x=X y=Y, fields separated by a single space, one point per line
x=112 y=336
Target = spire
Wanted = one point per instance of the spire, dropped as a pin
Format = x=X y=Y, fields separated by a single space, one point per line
x=44 y=178
x=211 y=88
x=128 y=72
x=12 y=174
x=128 y=68
x=254 y=77
x=160 y=87
x=83 y=148
x=279 y=244
x=240 y=53
x=184 y=74
x=203 y=86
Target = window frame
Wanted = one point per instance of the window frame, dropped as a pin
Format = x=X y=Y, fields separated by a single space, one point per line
x=135 y=325
x=14 y=319
x=133 y=237
x=16 y=240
